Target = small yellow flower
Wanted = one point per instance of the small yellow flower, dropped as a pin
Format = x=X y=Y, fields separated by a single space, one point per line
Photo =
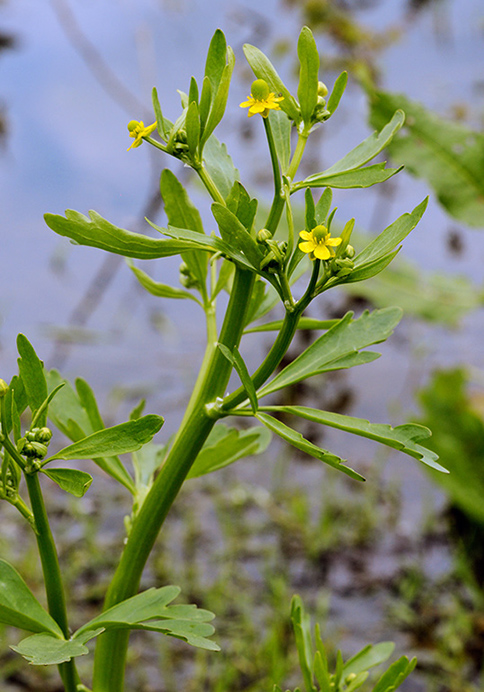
x=318 y=243
x=137 y=130
x=261 y=99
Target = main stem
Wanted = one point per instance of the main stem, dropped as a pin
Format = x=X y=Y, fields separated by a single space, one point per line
x=111 y=648
x=52 y=576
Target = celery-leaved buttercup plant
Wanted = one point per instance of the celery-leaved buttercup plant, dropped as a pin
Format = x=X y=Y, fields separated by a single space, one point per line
x=257 y=267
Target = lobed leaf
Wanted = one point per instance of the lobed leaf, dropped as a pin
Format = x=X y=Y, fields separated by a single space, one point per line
x=404 y=437
x=297 y=440
x=97 y=232
x=344 y=339
x=44 y=649
x=149 y=610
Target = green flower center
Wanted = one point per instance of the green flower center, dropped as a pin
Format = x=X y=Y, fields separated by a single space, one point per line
x=320 y=233
x=260 y=90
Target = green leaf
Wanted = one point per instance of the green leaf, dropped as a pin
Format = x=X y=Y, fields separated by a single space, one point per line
x=242 y=206
x=323 y=206
x=395 y=675
x=31 y=370
x=44 y=649
x=307 y=92
x=402 y=437
x=205 y=101
x=183 y=214
x=357 y=157
x=158 y=289
x=97 y=232
x=18 y=605
x=388 y=239
x=237 y=362
x=216 y=57
x=219 y=101
x=448 y=155
x=235 y=235
x=77 y=416
x=358 y=178
x=120 y=439
x=226 y=445
x=192 y=127
x=338 y=91
x=281 y=131
x=264 y=69
x=72 y=481
x=297 y=440
x=149 y=610
x=310 y=210
x=220 y=165
x=89 y=404
x=301 y=625
x=380 y=252
x=346 y=337
x=371 y=655
x=163 y=125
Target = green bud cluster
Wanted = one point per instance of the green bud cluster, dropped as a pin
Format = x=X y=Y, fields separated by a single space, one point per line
x=3 y=388
x=187 y=278
x=35 y=442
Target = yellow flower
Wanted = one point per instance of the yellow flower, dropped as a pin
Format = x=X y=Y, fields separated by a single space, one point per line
x=261 y=99
x=318 y=243
x=137 y=130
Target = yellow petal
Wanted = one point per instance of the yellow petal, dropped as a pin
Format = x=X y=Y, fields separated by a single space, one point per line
x=306 y=247
x=306 y=235
x=322 y=252
x=333 y=241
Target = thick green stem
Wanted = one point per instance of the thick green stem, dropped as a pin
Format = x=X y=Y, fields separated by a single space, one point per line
x=52 y=575
x=280 y=345
x=111 y=648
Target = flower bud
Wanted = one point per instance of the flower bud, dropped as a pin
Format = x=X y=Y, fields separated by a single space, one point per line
x=322 y=89
x=3 y=388
x=349 y=252
x=263 y=235
x=43 y=435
